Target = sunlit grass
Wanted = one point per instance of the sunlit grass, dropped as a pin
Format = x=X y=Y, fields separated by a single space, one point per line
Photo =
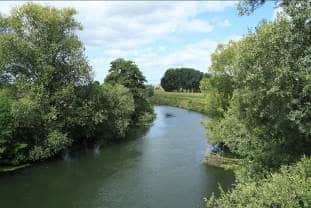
x=187 y=100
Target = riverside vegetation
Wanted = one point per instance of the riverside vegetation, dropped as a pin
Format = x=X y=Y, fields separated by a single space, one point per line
x=258 y=96
x=48 y=99
x=189 y=101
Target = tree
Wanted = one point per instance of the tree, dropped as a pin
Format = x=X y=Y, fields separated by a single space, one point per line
x=48 y=98
x=266 y=121
x=219 y=86
x=288 y=188
x=120 y=103
x=41 y=62
x=249 y=6
x=39 y=44
x=181 y=79
x=128 y=74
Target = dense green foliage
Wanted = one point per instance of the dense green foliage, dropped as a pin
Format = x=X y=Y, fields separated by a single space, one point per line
x=48 y=100
x=189 y=101
x=288 y=188
x=181 y=79
x=260 y=102
x=266 y=118
x=128 y=74
x=218 y=87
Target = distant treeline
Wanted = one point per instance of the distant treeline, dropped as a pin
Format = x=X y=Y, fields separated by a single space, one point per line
x=182 y=79
x=48 y=99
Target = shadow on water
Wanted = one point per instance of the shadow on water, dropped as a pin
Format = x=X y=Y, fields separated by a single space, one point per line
x=157 y=167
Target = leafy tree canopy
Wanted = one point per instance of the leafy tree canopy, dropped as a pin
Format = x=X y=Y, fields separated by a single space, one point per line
x=266 y=121
x=128 y=74
x=181 y=79
x=288 y=188
x=48 y=100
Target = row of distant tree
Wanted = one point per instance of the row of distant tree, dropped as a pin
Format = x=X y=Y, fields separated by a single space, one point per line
x=182 y=79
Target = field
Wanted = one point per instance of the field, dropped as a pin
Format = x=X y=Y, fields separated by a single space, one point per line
x=189 y=101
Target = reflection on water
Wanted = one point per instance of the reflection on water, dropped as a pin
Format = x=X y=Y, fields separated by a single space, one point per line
x=159 y=167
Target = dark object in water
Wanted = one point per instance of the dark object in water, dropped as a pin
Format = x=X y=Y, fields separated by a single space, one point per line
x=215 y=148
x=169 y=115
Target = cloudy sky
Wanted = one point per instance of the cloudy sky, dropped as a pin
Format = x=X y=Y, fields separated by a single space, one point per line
x=156 y=35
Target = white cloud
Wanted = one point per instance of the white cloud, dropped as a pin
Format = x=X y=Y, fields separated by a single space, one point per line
x=198 y=25
x=129 y=29
x=225 y=23
x=194 y=55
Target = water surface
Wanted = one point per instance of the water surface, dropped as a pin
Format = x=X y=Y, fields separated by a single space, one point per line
x=160 y=168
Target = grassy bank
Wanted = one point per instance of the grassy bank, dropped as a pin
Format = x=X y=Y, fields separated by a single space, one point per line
x=216 y=160
x=189 y=101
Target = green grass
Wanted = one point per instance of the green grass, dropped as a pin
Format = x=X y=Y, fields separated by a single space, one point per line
x=189 y=101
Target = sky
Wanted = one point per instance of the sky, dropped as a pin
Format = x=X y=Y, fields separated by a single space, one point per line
x=156 y=35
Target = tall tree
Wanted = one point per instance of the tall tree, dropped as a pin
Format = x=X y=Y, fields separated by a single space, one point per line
x=267 y=121
x=39 y=44
x=41 y=62
x=128 y=74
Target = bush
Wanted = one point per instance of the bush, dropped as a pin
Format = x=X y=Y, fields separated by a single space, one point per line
x=288 y=188
x=54 y=143
x=120 y=106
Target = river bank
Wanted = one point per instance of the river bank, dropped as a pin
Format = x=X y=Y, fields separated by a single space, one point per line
x=216 y=160
x=194 y=102
x=160 y=166
x=188 y=101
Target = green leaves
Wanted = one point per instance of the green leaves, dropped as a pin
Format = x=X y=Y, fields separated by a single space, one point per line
x=219 y=86
x=119 y=103
x=128 y=74
x=48 y=98
x=181 y=79
x=261 y=81
x=288 y=188
x=55 y=142
x=267 y=119
x=40 y=44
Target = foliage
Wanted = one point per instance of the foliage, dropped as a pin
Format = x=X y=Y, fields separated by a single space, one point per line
x=6 y=123
x=128 y=74
x=48 y=100
x=38 y=45
x=247 y=7
x=181 y=79
x=289 y=188
x=267 y=121
x=149 y=92
x=120 y=102
x=54 y=142
x=218 y=86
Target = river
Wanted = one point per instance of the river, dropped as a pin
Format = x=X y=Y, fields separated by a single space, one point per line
x=158 y=168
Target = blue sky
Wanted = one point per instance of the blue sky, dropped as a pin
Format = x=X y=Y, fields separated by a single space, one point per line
x=157 y=35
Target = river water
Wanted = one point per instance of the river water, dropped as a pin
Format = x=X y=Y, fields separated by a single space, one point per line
x=158 y=168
